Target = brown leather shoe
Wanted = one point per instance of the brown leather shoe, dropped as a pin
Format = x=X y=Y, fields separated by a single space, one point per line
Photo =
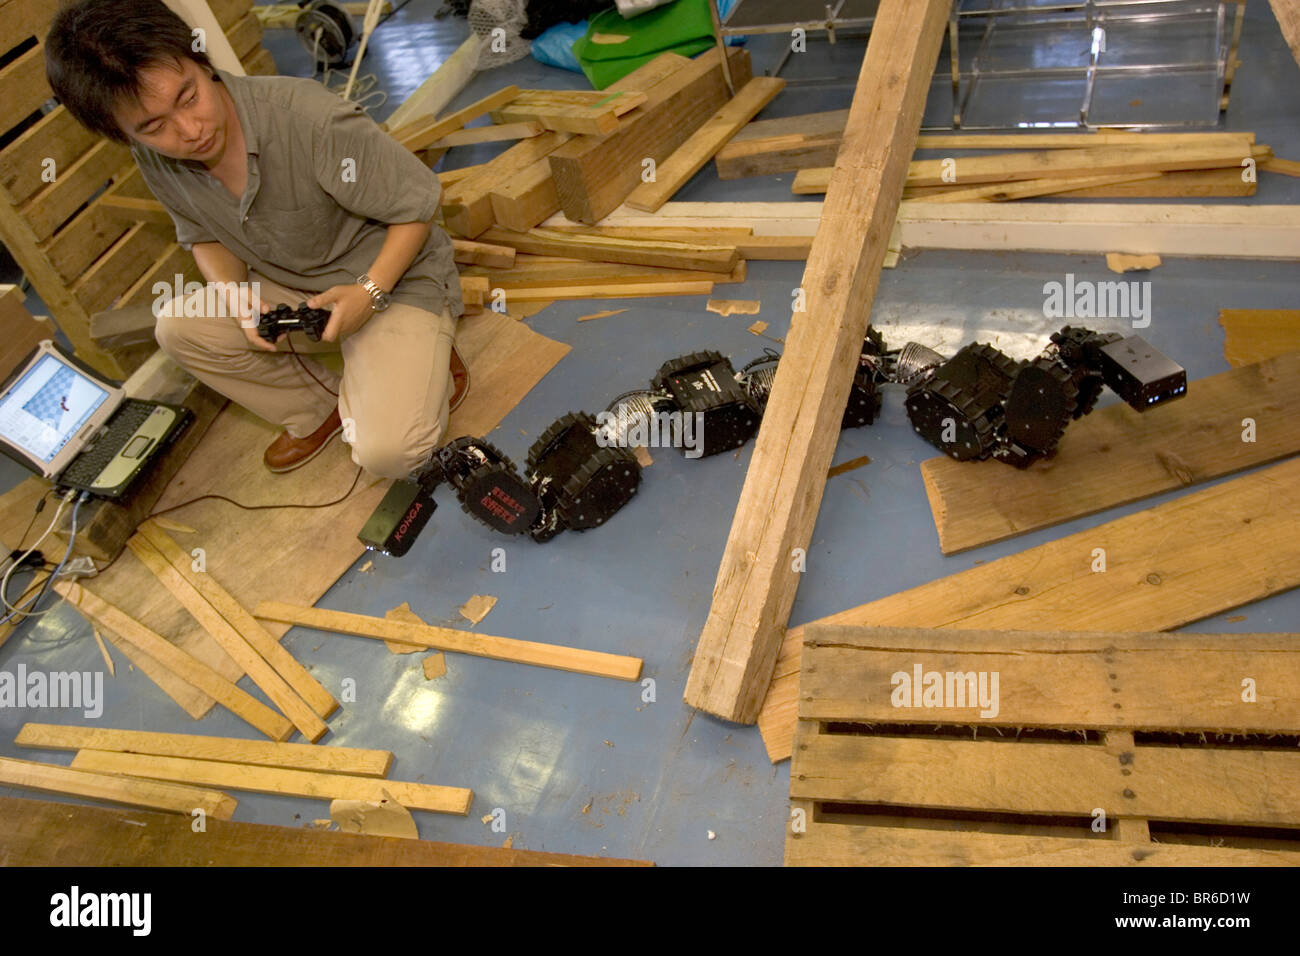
x=460 y=377
x=287 y=453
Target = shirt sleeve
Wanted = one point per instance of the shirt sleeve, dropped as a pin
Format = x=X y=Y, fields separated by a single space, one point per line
x=369 y=173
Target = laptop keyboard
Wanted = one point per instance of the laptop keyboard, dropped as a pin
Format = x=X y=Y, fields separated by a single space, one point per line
x=85 y=468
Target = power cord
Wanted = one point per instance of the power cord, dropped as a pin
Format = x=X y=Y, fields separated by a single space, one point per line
x=232 y=501
x=303 y=366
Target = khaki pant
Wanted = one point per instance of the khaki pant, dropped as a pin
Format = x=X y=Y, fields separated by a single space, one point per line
x=393 y=394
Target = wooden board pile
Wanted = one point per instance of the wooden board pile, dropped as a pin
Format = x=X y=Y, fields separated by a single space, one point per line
x=179 y=772
x=580 y=155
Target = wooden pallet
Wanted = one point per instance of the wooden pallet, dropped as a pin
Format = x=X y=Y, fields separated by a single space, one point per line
x=82 y=253
x=1102 y=749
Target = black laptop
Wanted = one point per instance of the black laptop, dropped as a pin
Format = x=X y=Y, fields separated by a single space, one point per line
x=79 y=430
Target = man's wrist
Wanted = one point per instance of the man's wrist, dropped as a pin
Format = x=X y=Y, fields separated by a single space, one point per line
x=379 y=299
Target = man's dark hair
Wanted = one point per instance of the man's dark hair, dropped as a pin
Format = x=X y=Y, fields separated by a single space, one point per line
x=96 y=50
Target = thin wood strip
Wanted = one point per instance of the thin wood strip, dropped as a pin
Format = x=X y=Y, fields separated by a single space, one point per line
x=487 y=134
x=52 y=778
x=346 y=760
x=597 y=663
x=298 y=783
x=418 y=134
x=272 y=651
x=187 y=668
x=664 y=253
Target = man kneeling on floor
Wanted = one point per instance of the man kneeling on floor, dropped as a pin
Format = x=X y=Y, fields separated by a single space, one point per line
x=281 y=186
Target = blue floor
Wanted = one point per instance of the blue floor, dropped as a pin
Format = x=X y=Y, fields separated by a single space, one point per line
x=585 y=765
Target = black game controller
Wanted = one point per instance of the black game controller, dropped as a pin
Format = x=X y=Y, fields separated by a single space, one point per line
x=282 y=320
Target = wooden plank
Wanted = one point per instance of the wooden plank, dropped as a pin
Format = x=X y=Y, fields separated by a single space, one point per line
x=265 y=753
x=418 y=134
x=756 y=584
x=20 y=331
x=23 y=87
x=1287 y=167
x=228 y=12
x=1256 y=335
x=487 y=134
x=1052 y=164
x=1065 y=680
x=800 y=142
x=1287 y=13
x=468 y=252
x=173 y=262
x=664 y=253
x=298 y=783
x=1195 y=785
x=1187 y=559
x=526 y=199
x=41 y=833
x=118 y=268
x=1213 y=231
x=594 y=174
x=280 y=691
x=254 y=634
x=848 y=845
x=467 y=205
x=50 y=207
x=52 y=778
x=1189 y=441
x=56 y=136
x=1180 y=184
x=189 y=669
x=245 y=34
x=573 y=272
x=610 y=290
x=86 y=237
x=260 y=63
x=138 y=210
x=593 y=112
x=596 y=663
x=441 y=87
x=1027 y=188
x=689 y=158
x=449 y=177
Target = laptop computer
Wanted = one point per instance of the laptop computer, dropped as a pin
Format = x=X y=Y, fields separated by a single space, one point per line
x=70 y=425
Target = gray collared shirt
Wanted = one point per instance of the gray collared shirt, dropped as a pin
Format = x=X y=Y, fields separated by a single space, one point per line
x=324 y=182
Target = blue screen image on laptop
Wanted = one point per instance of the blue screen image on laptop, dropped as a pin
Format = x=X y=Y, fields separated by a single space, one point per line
x=48 y=406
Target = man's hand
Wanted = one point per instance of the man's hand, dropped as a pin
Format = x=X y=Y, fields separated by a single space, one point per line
x=350 y=308
x=249 y=326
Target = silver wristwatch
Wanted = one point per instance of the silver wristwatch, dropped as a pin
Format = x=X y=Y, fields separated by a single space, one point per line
x=378 y=297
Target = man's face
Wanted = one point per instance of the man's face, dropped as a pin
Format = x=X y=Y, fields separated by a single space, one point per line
x=181 y=113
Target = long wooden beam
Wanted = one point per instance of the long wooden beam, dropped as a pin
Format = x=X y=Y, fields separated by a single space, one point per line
x=757 y=579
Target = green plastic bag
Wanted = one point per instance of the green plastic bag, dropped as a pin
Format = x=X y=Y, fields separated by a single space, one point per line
x=614 y=47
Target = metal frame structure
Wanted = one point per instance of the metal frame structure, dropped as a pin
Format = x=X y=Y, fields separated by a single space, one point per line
x=1093 y=16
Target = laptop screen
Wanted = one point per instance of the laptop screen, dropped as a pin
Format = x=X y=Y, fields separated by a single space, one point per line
x=47 y=406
